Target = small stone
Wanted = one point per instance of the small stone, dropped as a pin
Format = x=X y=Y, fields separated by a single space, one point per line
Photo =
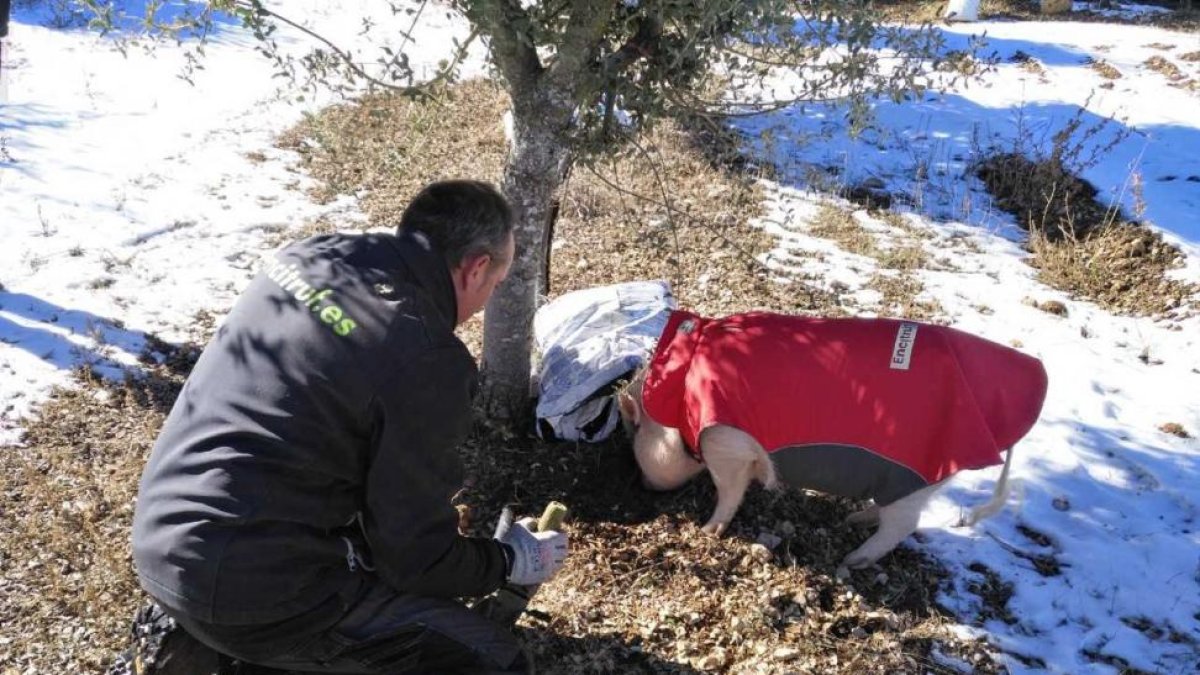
x=1061 y=504
x=1052 y=307
x=760 y=552
x=769 y=540
x=1175 y=429
x=786 y=653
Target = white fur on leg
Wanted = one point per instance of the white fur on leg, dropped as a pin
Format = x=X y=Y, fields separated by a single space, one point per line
x=896 y=522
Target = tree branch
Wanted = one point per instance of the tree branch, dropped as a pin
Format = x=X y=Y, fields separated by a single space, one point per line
x=640 y=45
x=586 y=25
x=513 y=48
x=734 y=109
x=346 y=58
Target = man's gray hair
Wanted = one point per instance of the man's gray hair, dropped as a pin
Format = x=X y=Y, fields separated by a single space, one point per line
x=462 y=218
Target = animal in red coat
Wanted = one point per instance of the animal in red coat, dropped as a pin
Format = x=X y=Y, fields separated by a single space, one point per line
x=878 y=409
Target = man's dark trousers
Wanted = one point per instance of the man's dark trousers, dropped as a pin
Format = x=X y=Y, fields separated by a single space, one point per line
x=383 y=632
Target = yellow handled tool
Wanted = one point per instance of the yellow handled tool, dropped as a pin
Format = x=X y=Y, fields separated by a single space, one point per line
x=552 y=517
x=507 y=603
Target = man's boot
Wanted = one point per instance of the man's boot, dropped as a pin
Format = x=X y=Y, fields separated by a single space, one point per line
x=161 y=647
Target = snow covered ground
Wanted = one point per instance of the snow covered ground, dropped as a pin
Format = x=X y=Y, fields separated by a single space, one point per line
x=129 y=200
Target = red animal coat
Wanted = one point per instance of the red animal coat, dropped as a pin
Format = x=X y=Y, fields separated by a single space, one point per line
x=859 y=407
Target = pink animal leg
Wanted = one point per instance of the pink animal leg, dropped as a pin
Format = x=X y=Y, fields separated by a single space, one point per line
x=731 y=482
x=734 y=459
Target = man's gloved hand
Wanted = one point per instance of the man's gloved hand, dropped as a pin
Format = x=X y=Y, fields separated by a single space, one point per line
x=536 y=556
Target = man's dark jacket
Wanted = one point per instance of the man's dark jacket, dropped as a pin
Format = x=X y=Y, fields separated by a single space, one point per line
x=327 y=410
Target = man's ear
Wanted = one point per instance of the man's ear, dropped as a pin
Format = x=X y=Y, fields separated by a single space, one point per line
x=472 y=271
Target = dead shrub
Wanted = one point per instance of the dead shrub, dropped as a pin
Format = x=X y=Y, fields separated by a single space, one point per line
x=1080 y=245
x=1043 y=195
x=1121 y=267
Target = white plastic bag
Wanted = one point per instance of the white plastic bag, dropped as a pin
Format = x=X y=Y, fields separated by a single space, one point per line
x=588 y=340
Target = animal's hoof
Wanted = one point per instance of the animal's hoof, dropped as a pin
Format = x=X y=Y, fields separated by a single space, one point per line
x=842 y=573
x=714 y=529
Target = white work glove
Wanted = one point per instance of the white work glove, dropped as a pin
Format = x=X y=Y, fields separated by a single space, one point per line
x=537 y=556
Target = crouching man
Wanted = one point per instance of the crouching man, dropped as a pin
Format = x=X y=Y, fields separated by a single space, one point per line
x=295 y=511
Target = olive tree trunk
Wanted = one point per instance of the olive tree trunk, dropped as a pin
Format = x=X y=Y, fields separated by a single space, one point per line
x=544 y=97
x=533 y=173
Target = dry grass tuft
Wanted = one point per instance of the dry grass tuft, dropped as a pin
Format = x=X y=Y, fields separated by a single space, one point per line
x=1175 y=429
x=901 y=291
x=900 y=256
x=906 y=257
x=1051 y=307
x=1082 y=246
x=1164 y=67
x=1106 y=70
x=849 y=233
x=1191 y=57
x=385 y=148
x=1030 y=64
x=841 y=227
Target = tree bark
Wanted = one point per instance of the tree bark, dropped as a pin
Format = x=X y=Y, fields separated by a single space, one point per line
x=543 y=100
x=533 y=173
